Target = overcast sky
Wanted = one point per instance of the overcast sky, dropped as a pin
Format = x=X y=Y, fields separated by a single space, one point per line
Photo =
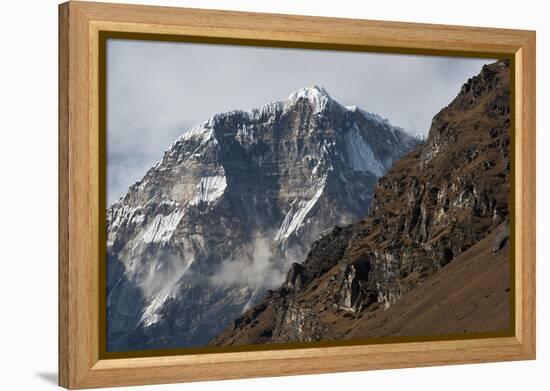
x=158 y=90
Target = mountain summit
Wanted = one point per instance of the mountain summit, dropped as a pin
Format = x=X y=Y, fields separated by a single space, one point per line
x=230 y=206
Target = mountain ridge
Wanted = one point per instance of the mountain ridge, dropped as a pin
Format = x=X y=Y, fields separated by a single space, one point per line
x=232 y=203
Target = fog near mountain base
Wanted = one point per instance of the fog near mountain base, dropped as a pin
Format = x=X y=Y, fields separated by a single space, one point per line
x=261 y=269
x=163 y=274
x=156 y=91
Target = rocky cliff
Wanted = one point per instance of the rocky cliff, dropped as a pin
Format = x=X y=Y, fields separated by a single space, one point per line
x=231 y=205
x=438 y=219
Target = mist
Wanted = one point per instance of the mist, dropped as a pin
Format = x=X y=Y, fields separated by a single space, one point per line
x=261 y=269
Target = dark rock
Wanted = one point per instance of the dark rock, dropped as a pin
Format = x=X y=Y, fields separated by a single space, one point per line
x=294 y=276
x=502 y=234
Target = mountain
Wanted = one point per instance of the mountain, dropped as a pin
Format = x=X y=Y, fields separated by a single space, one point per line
x=232 y=204
x=430 y=258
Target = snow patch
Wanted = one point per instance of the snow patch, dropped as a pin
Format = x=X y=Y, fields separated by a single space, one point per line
x=360 y=155
x=151 y=314
x=162 y=228
x=316 y=96
x=269 y=110
x=209 y=189
x=119 y=216
x=293 y=219
x=200 y=133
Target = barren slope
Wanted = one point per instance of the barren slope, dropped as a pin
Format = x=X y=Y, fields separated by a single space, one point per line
x=471 y=294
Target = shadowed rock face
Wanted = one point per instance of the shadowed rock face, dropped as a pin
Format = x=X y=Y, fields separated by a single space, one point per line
x=231 y=205
x=433 y=206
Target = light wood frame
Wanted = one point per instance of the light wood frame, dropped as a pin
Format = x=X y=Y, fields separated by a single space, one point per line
x=80 y=23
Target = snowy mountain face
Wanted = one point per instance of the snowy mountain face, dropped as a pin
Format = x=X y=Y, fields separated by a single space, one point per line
x=231 y=205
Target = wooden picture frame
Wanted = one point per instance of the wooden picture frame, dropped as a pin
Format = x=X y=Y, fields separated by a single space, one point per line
x=81 y=24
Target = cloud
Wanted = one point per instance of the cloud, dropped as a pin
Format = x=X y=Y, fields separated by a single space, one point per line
x=157 y=90
x=162 y=275
x=261 y=269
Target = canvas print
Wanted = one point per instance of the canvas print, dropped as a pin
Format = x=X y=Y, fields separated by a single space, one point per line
x=261 y=195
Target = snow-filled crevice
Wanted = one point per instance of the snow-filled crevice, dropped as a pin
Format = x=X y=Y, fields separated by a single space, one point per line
x=209 y=189
x=161 y=229
x=294 y=218
x=360 y=154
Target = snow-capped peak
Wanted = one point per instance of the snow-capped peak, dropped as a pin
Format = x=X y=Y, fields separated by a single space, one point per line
x=309 y=92
x=317 y=96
